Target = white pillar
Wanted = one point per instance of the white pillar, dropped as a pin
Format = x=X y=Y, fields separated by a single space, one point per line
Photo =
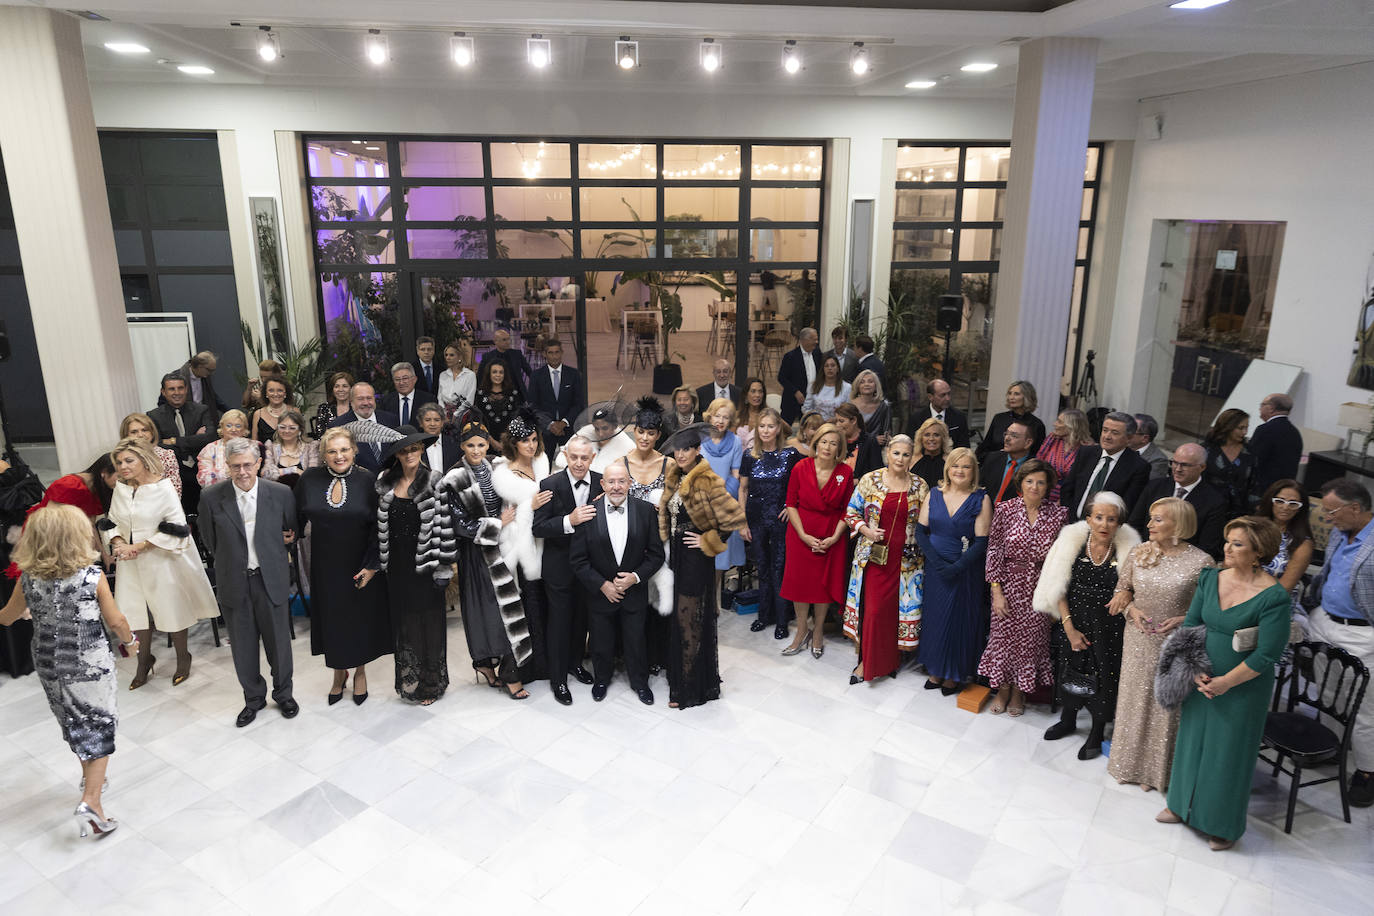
x=66 y=243
x=1049 y=139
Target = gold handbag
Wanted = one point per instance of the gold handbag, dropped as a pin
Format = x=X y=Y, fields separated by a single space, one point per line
x=878 y=554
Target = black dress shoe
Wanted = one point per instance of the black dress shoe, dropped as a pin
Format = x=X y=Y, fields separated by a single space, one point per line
x=780 y=632
x=598 y=692
x=289 y=708
x=1361 y=793
x=583 y=675
x=756 y=626
x=950 y=691
x=562 y=694
x=646 y=696
x=933 y=685
x=1090 y=750
x=1060 y=729
x=249 y=713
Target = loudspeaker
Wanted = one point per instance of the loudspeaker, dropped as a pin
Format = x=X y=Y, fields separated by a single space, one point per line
x=950 y=316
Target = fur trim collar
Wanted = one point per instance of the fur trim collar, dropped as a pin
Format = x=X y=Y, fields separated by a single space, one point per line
x=1058 y=565
x=517 y=541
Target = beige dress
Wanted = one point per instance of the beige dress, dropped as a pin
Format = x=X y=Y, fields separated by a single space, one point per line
x=1143 y=737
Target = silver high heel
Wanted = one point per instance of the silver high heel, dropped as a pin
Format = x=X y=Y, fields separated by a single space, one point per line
x=86 y=817
x=800 y=647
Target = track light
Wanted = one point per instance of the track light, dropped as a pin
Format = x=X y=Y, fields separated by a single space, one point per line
x=195 y=70
x=126 y=47
x=710 y=55
x=269 y=48
x=791 y=57
x=376 y=48
x=626 y=53
x=461 y=49
x=538 y=51
x=979 y=67
x=858 y=59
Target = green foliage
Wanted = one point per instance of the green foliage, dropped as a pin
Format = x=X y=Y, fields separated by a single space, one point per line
x=305 y=366
x=906 y=341
x=804 y=294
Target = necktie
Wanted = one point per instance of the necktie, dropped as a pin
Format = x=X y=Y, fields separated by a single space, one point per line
x=722 y=393
x=1181 y=494
x=940 y=416
x=429 y=377
x=554 y=374
x=405 y=409
x=181 y=424
x=1100 y=478
x=1006 y=478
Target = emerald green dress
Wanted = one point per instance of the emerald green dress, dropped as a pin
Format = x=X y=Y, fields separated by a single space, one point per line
x=1218 y=739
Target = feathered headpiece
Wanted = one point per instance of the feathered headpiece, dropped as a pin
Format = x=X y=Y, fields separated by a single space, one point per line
x=649 y=412
x=523 y=425
x=393 y=441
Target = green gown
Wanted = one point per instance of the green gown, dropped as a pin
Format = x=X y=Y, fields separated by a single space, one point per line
x=1218 y=739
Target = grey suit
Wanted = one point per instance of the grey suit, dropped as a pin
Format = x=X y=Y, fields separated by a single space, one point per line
x=254 y=601
x=1157 y=459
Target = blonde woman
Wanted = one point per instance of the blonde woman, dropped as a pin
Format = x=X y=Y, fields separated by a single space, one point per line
x=804 y=433
x=814 y=573
x=457 y=383
x=933 y=445
x=866 y=393
x=1021 y=402
x=724 y=452
x=210 y=465
x=140 y=426
x=1060 y=448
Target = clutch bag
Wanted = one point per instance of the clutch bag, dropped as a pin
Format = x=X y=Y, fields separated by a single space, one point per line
x=878 y=554
x=1245 y=639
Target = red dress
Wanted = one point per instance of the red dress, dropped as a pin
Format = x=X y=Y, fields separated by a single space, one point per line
x=808 y=577
x=878 y=634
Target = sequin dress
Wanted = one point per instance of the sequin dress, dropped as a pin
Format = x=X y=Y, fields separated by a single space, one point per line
x=767 y=476
x=72 y=658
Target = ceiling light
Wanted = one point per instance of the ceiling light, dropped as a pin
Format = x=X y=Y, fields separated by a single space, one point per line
x=126 y=47
x=375 y=46
x=979 y=67
x=373 y=148
x=921 y=84
x=710 y=55
x=195 y=70
x=460 y=48
x=791 y=57
x=626 y=53
x=538 y=51
x=269 y=48
x=858 y=59
x=1196 y=4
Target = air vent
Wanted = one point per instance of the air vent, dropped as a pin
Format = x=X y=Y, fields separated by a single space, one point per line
x=89 y=14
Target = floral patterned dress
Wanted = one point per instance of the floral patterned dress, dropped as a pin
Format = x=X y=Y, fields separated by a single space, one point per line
x=882 y=610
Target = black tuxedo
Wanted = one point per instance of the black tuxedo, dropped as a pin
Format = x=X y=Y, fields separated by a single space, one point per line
x=954 y=419
x=567 y=626
x=391 y=403
x=1207 y=501
x=792 y=377
x=991 y=473
x=369 y=454
x=707 y=393
x=1277 y=447
x=1130 y=473
x=564 y=404
x=420 y=382
x=593 y=562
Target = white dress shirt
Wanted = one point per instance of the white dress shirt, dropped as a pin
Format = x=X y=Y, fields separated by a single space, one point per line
x=434 y=456
x=809 y=365
x=618 y=524
x=580 y=495
x=405 y=407
x=248 y=510
x=1092 y=475
x=1186 y=488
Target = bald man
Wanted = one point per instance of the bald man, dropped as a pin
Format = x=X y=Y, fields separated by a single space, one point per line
x=1185 y=481
x=797 y=373
x=718 y=387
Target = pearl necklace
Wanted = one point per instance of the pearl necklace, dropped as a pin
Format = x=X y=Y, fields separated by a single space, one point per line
x=342 y=481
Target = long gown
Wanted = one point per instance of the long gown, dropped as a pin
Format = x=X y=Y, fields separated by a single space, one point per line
x=767 y=477
x=1090 y=589
x=882 y=582
x=656 y=626
x=349 y=626
x=1214 y=757
x=418 y=622
x=808 y=577
x=483 y=628
x=725 y=457
x=954 y=612
x=693 y=662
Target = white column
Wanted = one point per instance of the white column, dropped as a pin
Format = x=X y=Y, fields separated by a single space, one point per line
x=1049 y=139
x=66 y=243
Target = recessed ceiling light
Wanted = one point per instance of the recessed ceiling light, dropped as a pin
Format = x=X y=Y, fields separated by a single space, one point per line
x=195 y=70
x=791 y=57
x=709 y=55
x=538 y=51
x=126 y=47
x=978 y=67
x=373 y=148
x=1196 y=4
x=461 y=49
x=858 y=59
x=921 y=84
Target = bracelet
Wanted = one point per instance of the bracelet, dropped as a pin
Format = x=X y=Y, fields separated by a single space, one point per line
x=1125 y=588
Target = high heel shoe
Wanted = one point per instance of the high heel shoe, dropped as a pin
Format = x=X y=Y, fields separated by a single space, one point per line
x=336 y=697
x=817 y=651
x=854 y=676
x=800 y=647
x=489 y=675
x=141 y=678
x=358 y=698
x=87 y=818
x=179 y=677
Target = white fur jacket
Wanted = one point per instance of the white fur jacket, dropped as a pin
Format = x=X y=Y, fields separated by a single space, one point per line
x=1058 y=566
x=517 y=541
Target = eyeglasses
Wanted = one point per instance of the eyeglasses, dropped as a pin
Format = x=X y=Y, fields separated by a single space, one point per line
x=1290 y=503
x=1331 y=513
x=1183 y=464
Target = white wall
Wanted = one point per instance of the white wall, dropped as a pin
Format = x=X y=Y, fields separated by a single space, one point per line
x=1294 y=149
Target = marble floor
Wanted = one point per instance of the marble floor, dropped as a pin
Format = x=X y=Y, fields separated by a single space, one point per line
x=795 y=794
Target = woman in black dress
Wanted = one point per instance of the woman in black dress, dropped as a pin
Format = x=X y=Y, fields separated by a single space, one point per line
x=1231 y=465
x=933 y=445
x=497 y=399
x=405 y=493
x=348 y=616
x=1021 y=402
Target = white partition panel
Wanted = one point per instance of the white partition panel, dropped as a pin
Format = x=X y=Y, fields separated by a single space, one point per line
x=161 y=342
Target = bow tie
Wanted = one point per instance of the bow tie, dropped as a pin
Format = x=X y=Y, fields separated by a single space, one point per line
x=614 y=508
x=580 y=483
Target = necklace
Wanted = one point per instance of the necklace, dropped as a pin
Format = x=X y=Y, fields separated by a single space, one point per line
x=1106 y=553
x=277 y=414
x=336 y=494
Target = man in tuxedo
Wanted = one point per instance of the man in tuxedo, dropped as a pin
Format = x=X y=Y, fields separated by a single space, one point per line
x=518 y=369
x=444 y=452
x=938 y=395
x=1276 y=443
x=839 y=348
x=1143 y=441
x=185 y=427
x=797 y=373
x=247 y=523
x=364 y=403
x=426 y=372
x=1109 y=465
x=1186 y=482
x=863 y=348
x=613 y=555
x=572 y=506
x=196 y=372
x=406 y=398
x=999 y=468
x=719 y=387
x=556 y=396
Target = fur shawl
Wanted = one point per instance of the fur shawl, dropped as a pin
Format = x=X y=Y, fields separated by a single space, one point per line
x=1058 y=566
x=1182 y=657
x=713 y=511
x=436 y=523
x=459 y=489
x=517 y=541
x=610 y=451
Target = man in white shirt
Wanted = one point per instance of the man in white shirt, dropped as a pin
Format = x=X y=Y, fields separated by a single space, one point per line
x=719 y=387
x=797 y=373
x=1109 y=465
x=407 y=398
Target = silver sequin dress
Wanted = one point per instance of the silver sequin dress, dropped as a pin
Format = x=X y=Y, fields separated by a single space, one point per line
x=73 y=661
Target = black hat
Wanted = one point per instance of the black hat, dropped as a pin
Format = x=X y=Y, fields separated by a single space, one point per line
x=613 y=411
x=409 y=436
x=649 y=412
x=473 y=428
x=686 y=437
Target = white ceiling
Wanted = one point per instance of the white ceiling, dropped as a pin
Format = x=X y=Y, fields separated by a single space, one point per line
x=1147 y=49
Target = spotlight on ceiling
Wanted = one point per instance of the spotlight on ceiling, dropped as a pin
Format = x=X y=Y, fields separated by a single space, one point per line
x=376 y=47
x=921 y=84
x=979 y=67
x=791 y=57
x=858 y=59
x=538 y=51
x=269 y=47
x=710 y=55
x=1196 y=4
x=195 y=70
x=460 y=48
x=626 y=53
x=126 y=47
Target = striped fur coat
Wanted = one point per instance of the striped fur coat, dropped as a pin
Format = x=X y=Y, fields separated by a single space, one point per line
x=436 y=524
x=517 y=541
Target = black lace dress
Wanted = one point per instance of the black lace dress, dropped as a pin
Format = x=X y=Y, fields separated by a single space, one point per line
x=693 y=662
x=497 y=410
x=417 y=610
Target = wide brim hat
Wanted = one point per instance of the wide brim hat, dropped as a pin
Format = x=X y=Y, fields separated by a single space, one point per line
x=409 y=436
x=615 y=410
x=687 y=437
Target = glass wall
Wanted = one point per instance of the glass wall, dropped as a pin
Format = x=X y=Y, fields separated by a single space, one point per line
x=632 y=253
x=947 y=237
x=27 y=415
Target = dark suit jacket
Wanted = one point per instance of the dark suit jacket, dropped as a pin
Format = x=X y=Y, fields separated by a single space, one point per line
x=954 y=419
x=221 y=531
x=849 y=362
x=1129 y=475
x=1207 y=501
x=564 y=404
x=548 y=524
x=1277 y=447
x=193 y=417
x=391 y=403
x=436 y=367
x=991 y=473
x=792 y=377
x=368 y=456
x=707 y=393
x=872 y=362
x=209 y=397
x=517 y=368
x=452 y=451
x=593 y=560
